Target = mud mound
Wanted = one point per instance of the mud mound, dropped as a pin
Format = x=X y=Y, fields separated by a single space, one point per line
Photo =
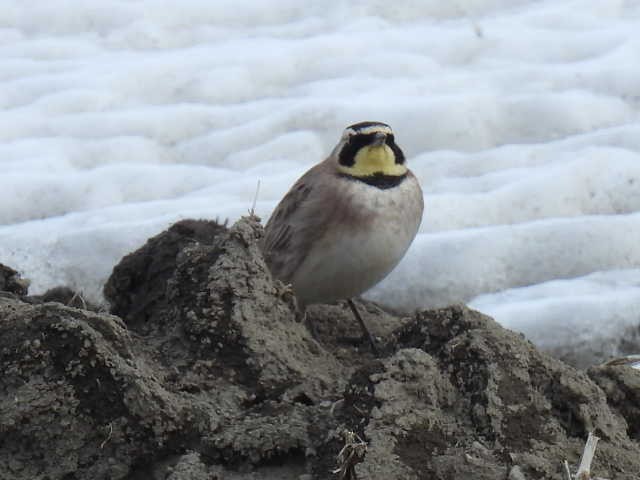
x=205 y=374
x=461 y=397
x=10 y=281
x=137 y=286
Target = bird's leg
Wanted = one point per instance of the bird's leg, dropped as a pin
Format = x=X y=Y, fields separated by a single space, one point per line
x=363 y=326
x=303 y=316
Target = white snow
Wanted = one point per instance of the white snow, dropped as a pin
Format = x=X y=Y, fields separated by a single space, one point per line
x=520 y=118
x=582 y=304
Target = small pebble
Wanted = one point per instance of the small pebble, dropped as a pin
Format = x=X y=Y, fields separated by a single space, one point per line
x=516 y=473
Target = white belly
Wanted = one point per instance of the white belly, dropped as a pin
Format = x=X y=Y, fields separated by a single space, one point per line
x=348 y=261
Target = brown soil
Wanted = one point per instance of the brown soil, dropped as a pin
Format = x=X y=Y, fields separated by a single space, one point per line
x=206 y=374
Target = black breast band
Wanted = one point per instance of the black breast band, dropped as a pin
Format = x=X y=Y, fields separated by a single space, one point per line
x=378 y=179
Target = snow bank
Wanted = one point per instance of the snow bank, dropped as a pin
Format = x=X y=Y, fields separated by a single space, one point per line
x=520 y=119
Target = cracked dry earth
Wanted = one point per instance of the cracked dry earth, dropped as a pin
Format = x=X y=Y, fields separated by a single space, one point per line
x=202 y=372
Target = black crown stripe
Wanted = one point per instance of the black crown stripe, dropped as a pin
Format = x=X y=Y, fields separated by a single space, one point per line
x=363 y=125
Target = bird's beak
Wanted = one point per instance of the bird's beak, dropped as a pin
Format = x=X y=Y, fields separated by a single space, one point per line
x=379 y=139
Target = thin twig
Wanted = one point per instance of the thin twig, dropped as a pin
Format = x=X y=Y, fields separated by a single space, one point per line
x=108 y=437
x=74 y=297
x=351 y=454
x=567 y=472
x=252 y=212
x=334 y=405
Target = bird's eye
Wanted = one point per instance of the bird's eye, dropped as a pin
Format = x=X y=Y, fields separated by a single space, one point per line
x=351 y=147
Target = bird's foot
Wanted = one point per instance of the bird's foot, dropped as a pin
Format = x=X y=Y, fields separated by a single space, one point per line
x=284 y=290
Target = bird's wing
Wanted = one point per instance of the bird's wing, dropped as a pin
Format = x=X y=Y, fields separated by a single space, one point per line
x=296 y=223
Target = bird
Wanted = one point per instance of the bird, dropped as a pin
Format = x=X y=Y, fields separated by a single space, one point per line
x=347 y=222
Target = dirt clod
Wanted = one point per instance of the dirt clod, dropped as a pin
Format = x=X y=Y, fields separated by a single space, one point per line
x=12 y=282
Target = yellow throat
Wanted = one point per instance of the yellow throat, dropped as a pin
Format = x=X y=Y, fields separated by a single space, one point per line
x=372 y=160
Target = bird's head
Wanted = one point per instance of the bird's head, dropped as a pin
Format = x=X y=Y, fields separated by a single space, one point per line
x=368 y=149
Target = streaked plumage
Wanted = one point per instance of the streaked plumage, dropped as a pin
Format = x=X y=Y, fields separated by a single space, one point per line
x=347 y=222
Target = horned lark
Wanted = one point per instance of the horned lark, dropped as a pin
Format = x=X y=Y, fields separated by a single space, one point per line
x=347 y=222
